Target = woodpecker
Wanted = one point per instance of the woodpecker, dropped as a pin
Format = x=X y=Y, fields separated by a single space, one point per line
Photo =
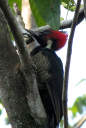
x=49 y=71
x=47 y=37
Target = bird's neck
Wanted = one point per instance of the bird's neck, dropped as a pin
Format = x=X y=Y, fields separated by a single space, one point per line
x=49 y=44
x=32 y=46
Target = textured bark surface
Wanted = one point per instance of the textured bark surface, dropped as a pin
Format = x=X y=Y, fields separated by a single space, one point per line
x=27 y=66
x=84 y=8
x=12 y=83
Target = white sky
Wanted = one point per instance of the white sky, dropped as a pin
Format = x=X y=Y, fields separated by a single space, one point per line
x=77 y=67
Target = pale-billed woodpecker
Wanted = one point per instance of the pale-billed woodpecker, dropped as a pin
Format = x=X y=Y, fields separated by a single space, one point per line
x=49 y=70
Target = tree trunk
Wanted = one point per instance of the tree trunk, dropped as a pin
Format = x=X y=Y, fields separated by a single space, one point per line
x=12 y=83
x=84 y=8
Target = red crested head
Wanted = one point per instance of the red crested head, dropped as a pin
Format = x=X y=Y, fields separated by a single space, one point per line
x=49 y=38
x=59 y=38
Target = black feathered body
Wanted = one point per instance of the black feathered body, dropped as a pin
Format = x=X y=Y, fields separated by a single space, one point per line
x=49 y=73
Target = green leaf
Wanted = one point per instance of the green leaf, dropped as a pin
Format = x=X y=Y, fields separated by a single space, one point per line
x=0 y=111
x=68 y=2
x=78 y=105
x=46 y=12
x=18 y=2
x=74 y=110
x=61 y=18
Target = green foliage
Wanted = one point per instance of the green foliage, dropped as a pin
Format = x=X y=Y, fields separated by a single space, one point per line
x=0 y=111
x=78 y=105
x=61 y=18
x=69 y=4
x=46 y=12
x=18 y=2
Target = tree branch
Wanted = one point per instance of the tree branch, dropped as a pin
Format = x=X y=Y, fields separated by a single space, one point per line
x=84 y=8
x=66 y=75
x=12 y=88
x=67 y=23
x=80 y=122
x=34 y=100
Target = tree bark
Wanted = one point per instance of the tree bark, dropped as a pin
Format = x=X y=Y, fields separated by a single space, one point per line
x=84 y=8
x=80 y=122
x=13 y=89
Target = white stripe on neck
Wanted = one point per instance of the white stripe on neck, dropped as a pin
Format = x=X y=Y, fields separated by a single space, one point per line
x=32 y=46
x=49 y=44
